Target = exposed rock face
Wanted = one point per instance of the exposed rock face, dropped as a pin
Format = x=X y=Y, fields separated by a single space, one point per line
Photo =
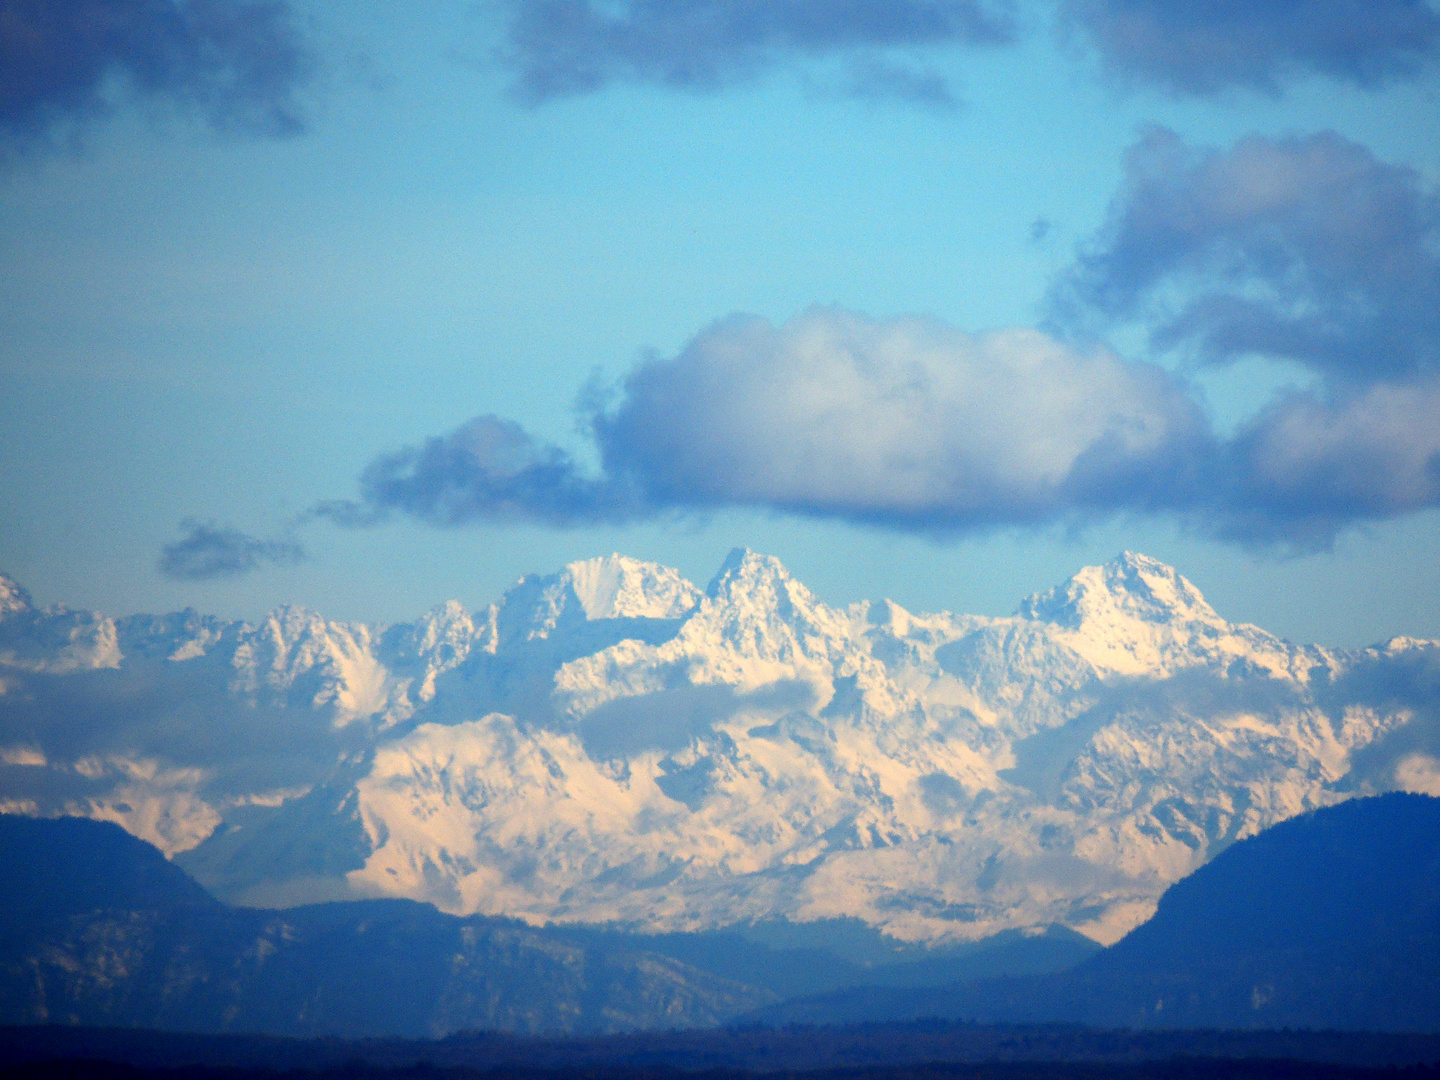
x=611 y=743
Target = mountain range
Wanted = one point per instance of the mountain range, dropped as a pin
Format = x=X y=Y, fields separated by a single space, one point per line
x=613 y=745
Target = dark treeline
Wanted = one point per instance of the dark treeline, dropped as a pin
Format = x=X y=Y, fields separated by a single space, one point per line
x=1171 y=1069
x=928 y=1048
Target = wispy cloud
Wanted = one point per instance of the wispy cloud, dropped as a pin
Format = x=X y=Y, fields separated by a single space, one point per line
x=565 y=47
x=237 y=63
x=873 y=80
x=1203 y=46
x=213 y=551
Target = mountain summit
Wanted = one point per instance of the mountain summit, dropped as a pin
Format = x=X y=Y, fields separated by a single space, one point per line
x=610 y=743
x=614 y=587
x=1134 y=615
x=1127 y=589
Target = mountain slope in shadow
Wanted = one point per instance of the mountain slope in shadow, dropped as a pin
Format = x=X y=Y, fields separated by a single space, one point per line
x=1330 y=920
x=99 y=929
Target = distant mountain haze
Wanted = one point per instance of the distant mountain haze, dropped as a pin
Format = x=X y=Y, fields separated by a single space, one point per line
x=611 y=744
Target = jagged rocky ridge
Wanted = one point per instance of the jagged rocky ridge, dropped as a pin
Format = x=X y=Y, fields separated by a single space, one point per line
x=612 y=744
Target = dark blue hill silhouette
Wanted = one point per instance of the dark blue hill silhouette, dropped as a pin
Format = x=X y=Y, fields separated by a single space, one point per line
x=1329 y=920
x=72 y=866
x=1356 y=882
x=97 y=928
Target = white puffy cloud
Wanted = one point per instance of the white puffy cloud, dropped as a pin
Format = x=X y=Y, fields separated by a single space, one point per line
x=905 y=421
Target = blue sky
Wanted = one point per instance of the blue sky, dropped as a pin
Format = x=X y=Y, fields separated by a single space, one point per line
x=1017 y=288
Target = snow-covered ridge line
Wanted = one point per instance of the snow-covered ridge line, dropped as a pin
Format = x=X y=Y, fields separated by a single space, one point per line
x=612 y=743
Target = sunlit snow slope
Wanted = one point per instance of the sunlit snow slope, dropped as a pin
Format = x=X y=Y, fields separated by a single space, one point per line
x=611 y=743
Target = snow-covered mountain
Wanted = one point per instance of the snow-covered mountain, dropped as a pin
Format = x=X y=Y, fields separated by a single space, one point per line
x=612 y=744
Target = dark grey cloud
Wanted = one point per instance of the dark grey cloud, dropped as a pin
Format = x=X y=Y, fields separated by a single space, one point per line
x=237 y=63
x=565 y=47
x=1203 y=46
x=212 y=551
x=1306 y=249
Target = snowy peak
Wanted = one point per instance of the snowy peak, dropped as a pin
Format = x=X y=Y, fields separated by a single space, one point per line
x=753 y=599
x=1136 y=616
x=755 y=611
x=754 y=579
x=55 y=640
x=1128 y=588
x=608 y=744
x=443 y=637
x=182 y=635
x=614 y=587
x=448 y=627
x=297 y=658
x=291 y=632
x=617 y=587
x=888 y=616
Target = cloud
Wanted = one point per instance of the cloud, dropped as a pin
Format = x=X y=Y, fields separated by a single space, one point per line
x=876 y=81
x=669 y=719
x=1307 y=249
x=1204 y=46
x=1308 y=467
x=1301 y=249
x=238 y=63
x=1419 y=773
x=488 y=469
x=211 y=551
x=566 y=47
x=906 y=423
x=913 y=425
